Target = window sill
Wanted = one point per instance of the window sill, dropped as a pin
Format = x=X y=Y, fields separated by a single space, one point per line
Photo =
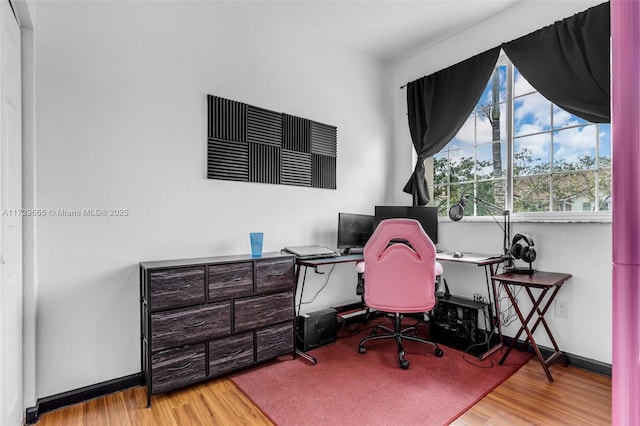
x=555 y=217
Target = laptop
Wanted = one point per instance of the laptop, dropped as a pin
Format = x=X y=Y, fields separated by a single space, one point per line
x=311 y=252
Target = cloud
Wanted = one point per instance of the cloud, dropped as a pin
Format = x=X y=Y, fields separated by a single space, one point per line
x=538 y=145
x=532 y=114
x=572 y=144
x=465 y=136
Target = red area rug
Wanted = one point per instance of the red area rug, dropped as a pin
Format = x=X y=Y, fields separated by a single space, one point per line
x=350 y=388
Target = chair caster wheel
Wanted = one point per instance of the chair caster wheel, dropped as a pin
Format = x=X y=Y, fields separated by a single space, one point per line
x=404 y=364
x=439 y=353
x=362 y=349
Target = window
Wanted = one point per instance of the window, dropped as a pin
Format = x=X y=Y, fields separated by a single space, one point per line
x=519 y=151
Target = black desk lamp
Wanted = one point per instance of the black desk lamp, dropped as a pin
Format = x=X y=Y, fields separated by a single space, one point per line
x=456 y=212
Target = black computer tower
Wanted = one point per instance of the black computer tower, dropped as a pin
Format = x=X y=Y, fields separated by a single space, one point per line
x=454 y=322
x=315 y=329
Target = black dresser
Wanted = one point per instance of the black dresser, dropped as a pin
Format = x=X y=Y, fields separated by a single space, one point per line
x=202 y=318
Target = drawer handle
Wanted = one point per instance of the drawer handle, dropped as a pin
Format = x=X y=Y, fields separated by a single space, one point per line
x=232 y=353
x=197 y=324
x=184 y=286
x=182 y=367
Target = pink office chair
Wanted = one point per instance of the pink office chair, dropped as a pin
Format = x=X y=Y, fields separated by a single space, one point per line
x=400 y=271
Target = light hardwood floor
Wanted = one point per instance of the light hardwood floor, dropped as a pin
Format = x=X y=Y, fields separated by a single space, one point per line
x=576 y=397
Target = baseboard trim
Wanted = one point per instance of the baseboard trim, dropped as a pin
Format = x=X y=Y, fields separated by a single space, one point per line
x=82 y=394
x=575 y=360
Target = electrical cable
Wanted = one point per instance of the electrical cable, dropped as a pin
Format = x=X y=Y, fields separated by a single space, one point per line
x=487 y=341
x=326 y=281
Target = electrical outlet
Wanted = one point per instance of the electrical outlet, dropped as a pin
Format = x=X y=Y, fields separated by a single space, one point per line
x=562 y=309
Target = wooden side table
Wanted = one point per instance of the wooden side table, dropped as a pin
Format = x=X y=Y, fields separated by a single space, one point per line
x=545 y=282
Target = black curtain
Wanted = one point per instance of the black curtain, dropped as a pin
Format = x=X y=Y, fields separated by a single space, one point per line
x=438 y=105
x=569 y=63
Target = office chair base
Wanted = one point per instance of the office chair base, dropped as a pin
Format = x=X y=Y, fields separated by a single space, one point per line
x=398 y=334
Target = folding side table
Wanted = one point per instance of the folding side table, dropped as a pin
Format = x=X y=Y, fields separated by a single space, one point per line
x=543 y=281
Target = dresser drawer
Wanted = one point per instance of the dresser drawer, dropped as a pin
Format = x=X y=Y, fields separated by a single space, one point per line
x=260 y=311
x=230 y=353
x=274 y=341
x=181 y=326
x=170 y=287
x=176 y=367
x=274 y=275
x=232 y=279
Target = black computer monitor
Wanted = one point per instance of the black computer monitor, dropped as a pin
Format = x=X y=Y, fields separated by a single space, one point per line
x=427 y=216
x=354 y=230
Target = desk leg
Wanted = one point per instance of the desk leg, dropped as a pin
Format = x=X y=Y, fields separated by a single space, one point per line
x=541 y=319
x=525 y=321
x=306 y=356
x=494 y=318
x=298 y=352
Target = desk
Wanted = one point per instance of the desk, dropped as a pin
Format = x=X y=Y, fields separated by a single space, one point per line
x=490 y=263
x=543 y=281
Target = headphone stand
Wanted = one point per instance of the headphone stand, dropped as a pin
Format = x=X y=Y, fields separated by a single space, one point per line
x=523 y=271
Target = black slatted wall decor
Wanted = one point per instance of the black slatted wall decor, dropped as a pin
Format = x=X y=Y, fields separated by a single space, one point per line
x=264 y=166
x=227 y=119
x=228 y=161
x=252 y=144
x=323 y=148
x=264 y=126
x=324 y=171
x=323 y=139
x=227 y=151
x=296 y=133
x=296 y=168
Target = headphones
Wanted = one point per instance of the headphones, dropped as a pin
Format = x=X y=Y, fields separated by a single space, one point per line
x=526 y=252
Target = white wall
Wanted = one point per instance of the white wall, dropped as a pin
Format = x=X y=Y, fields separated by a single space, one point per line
x=121 y=123
x=582 y=249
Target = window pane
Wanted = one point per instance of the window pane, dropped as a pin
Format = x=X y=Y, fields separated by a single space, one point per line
x=456 y=193
x=604 y=188
x=465 y=136
x=531 y=114
x=531 y=194
x=490 y=160
x=491 y=192
x=496 y=89
x=575 y=149
x=574 y=192
x=562 y=118
x=441 y=168
x=531 y=155
x=461 y=165
x=520 y=85
x=604 y=173
x=440 y=199
x=491 y=123
x=604 y=148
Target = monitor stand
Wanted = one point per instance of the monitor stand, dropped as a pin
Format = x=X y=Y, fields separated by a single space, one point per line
x=356 y=250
